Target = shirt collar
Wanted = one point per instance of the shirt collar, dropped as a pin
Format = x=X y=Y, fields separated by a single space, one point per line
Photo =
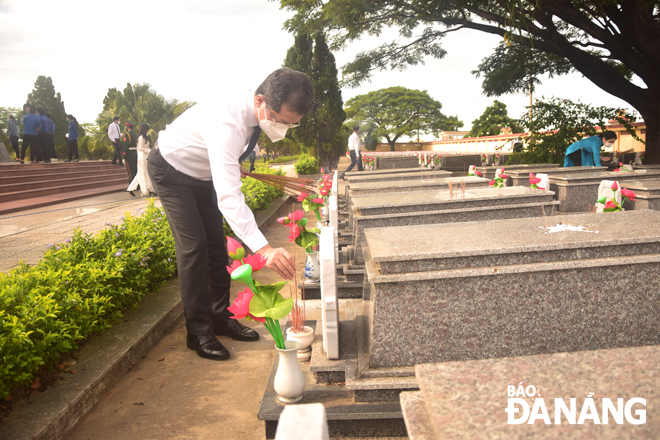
x=252 y=120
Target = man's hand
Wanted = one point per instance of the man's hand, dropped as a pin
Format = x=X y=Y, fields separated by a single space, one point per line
x=279 y=260
x=243 y=174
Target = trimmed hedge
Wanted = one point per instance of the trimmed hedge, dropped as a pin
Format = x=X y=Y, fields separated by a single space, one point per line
x=306 y=165
x=79 y=287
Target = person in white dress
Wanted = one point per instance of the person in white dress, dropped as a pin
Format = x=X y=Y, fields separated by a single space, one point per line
x=142 y=177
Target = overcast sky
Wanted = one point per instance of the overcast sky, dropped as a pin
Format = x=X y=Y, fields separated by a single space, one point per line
x=185 y=49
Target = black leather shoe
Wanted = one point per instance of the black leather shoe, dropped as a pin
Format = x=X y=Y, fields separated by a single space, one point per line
x=208 y=347
x=235 y=330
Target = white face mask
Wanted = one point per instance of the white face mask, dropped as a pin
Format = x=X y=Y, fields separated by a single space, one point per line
x=273 y=130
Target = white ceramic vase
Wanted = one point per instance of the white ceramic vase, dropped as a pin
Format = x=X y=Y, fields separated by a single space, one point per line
x=312 y=267
x=289 y=382
x=304 y=338
x=324 y=212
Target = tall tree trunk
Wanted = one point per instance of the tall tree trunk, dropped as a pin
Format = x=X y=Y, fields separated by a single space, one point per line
x=652 y=118
x=392 y=145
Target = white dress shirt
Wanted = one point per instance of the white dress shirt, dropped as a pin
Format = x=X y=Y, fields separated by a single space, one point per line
x=113 y=132
x=205 y=143
x=354 y=142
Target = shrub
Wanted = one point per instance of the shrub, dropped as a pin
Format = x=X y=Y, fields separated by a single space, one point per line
x=306 y=165
x=78 y=288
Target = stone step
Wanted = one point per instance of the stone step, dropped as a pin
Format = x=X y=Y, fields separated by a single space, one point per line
x=351 y=369
x=345 y=289
x=351 y=273
x=57 y=188
x=30 y=169
x=56 y=175
x=416 y=175
x=495 y=247
x=68 y=179
x=346 y=417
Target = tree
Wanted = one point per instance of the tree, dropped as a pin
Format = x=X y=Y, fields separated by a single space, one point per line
x=398 y=111
x=605 y=40
x=492 y=120
x=319 y=129
x=137 y=103
x=43 y=95
x=558 y=123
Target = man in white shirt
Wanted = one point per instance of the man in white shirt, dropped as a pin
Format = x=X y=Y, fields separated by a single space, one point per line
x=354 y=148
x=114 y=133
x=198 y=157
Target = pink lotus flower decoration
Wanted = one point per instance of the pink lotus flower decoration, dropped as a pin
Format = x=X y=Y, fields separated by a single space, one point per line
x=534 y=180
x=234 y=265
x=296 y=215
x=326 y=177
x=321 y=201
x=492 y=182
x=503 y=176
x=295 y=233
x=628 y=193
x=324 y=192
x=616 y=169
x=284 y=220
x=478 y=173
x=241 y=306
x=302 y=197
x=257 y=261
x=615 y=186
x=235 y=250
x=610 y=204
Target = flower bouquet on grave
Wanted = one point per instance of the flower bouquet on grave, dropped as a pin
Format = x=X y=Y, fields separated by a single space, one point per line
x=307 y=239
x=259 y=302
x=618 y=169
x=368 y=161
x=534 y=181
x=611 y=205
x=311 y=203
x=499 y=181
x=484 y=159
x=437 y=160
x=641 y=158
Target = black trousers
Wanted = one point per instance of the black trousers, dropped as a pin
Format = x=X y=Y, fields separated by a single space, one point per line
x=356 y=159
x=14 y=144
x=201 y=252
x=32 y=141
x=118 y=153
x=43 y=143
x=51 y=146
x=73 y=148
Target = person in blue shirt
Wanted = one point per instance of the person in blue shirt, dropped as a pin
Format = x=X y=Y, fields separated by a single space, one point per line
x=51 y=137
x=586 y=152
x=31 y=127
x=43 y=135
x=73 y=138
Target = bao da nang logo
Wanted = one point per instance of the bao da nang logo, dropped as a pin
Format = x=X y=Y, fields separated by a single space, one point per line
x=596 y=411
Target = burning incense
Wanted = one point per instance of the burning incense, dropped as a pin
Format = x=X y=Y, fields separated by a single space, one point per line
x=291 y=186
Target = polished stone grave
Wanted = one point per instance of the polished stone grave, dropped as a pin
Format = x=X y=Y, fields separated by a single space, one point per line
x=415 y=169
x=489 y=171
x=647 y=192
x=395 y=162
x=520 y=177
x=422 y=208
x=459 y=163
x=417 y=174
x=408 y=186
x=501 y=288
x=576 y=192
x=469 y=399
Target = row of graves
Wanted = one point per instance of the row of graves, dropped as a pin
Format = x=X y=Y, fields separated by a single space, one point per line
x=489 y=311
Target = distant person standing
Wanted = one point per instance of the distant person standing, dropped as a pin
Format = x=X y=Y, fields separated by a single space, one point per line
x=73 y=138
x=354 y=147
x=51 y=137
x=43 y=135
x=129 y=150
x=586 y=152
x=114 y=133
x=142 y=179
x=31 y=127
x=12 y=134
x=253 y=157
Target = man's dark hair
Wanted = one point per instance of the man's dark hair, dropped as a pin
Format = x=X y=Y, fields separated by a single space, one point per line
x=41 y=111
x=12 y=118
x=48 y=115
x=30 y=108
x=606 y=134
x=115 y=118
x=356 y=127
x=290 y=87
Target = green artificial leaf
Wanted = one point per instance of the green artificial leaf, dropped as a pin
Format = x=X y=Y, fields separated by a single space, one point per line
x=270 y=304
x=602 y=200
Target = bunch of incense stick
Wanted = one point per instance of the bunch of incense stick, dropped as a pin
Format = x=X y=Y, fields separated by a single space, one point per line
x=291 y=186
x=297 y=315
